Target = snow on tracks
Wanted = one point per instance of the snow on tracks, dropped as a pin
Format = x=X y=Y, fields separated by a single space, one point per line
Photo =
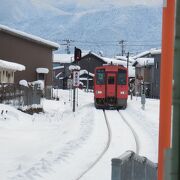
x=133 y=132
x=122 y=139
x=102 y=153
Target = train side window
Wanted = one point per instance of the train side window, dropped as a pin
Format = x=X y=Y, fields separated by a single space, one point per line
x=122 y=77
x=100 y=76
x=111 y=80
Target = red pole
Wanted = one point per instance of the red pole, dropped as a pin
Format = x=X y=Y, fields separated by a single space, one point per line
x=166 y=82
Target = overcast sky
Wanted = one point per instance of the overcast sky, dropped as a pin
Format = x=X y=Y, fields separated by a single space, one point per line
x=120 y=2
x=89 y=3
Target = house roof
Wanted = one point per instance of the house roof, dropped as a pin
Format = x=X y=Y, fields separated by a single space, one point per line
x=11 y=65
x=131 y=69
x=124 y=58
x=82 y=72
x=29 y=37
x=151 y=51
x=143 y=62
x=122 y=61
x=58 y=67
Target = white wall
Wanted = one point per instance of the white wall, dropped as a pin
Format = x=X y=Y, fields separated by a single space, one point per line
x=6 y=76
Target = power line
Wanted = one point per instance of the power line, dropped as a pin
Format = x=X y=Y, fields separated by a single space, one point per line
x=67 y=44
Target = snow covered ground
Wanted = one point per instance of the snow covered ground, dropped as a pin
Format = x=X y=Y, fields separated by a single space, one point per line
x=60 y=144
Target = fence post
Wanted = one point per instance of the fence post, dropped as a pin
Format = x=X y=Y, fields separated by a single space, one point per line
x=116 y=169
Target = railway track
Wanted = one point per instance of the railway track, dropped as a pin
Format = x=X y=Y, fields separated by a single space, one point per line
x=133 y=132
x=109 y=141
x=102 y=153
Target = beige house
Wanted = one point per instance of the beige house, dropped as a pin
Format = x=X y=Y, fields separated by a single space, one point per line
x=7 y=70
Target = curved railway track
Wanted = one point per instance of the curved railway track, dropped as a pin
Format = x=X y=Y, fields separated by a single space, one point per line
x=102 y=153
x=109 y=141
x=133 y=132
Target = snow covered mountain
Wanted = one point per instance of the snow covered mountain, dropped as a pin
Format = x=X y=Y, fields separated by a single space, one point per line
x=94 y=28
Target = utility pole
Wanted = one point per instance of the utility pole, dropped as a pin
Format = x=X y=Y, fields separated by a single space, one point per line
x=122 y=47
x=68 y=44
x=127 y=60
x=87 y=82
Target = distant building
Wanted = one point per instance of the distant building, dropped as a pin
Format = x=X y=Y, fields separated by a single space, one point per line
x=86 y=78
x=61 y=72
x=88 y=63
x=33 y=52
x=147 y=70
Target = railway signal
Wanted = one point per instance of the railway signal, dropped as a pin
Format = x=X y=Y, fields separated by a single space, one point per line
x=77 y=54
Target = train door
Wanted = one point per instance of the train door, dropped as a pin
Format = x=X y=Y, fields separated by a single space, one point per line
x=111 y=85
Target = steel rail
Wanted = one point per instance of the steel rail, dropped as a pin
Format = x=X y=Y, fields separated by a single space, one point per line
x=133 y=132
x=102 y=153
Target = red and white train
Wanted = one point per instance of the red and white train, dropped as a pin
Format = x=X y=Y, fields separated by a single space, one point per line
x=111 y=87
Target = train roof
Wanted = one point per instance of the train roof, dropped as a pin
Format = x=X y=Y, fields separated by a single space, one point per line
x=131 y=69
x=111 y=66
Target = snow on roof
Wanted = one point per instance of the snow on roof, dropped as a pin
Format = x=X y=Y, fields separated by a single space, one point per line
x=151 y=51
x=141 y=54
x=114 y=61
x=29 y=36
x=23 y=83
x=85 y=79
x=66 y=58
x=80 y=82
x=42 y=70
x=58 y=67
x=59 y=74
x=144 y=61
x=107 y=60
x=74 y=67
x=63 y=58
x=11 y=65
x=86 y=72
x=124 y=58
x=155 y=51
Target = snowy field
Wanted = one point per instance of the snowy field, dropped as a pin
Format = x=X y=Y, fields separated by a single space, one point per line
x=59 y=144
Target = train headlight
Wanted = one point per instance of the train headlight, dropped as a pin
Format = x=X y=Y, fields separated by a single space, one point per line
x=98 y=92
x=123 y=92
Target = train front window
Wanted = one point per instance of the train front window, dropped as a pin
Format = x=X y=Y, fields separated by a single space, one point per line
x=122 y=77
x=100 y=76
x=111 y=80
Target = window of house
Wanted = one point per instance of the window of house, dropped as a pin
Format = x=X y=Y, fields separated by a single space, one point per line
x=41 y=76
